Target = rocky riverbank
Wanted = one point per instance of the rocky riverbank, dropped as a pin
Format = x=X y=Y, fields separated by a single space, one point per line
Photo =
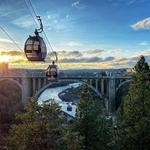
x=60 y=84
x=71 y=94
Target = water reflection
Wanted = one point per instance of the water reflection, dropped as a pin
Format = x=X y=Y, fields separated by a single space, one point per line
x=52 y=93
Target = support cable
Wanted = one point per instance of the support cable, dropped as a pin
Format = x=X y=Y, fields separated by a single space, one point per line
x=35 y=14
x=15 y=43
x=33 y=9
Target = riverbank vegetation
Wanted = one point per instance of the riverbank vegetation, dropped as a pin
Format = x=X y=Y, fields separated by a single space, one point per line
x=45 y=128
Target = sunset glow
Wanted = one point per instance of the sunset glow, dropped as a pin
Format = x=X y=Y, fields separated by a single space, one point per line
x=84 y=34
x=5 y=58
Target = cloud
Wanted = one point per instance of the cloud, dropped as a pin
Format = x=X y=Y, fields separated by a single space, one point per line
x=95 y=51
x=142 y=25
x=53 y=18
x=131 y=2
x=88 y=59
x=125 y=62
x=81 y=60
x=4 y=40
x=145 y=43
x=11 y=53
x=79 y=57
x=9 y=10
x=14 y=56
x=70 y=60
x=110 y=58
x=93 y=59
x=75 y=53
x=6 y=44
x=68 y=17
x=24 y=21
x=69 y=54
x=108 y=61
x=58 y=22
x=143 y=52
x=83 y=56
x=131 y=61
x=77 y=4
x=3 y=12
x=125 y=2
x=74 y=44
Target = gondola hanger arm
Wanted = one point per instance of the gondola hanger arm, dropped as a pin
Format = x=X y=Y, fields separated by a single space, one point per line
x=40 y=30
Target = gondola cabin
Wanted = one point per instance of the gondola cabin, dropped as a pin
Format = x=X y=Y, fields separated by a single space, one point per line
x=35 y=48
x=69 y=107
x=52 y=72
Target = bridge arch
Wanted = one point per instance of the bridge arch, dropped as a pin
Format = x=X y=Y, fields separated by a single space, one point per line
x=11 y=80
x=9 y=83
x=106 y=87
x=40 y=91
x=14 y=82
x=10 y=103
x=120 y=91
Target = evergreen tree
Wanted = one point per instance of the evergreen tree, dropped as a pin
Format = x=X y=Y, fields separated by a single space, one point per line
x=39 y=128
x=72 y=140
x=92 y=123
x=133 y=132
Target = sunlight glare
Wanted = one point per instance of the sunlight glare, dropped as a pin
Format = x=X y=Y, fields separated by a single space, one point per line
x=5 y=58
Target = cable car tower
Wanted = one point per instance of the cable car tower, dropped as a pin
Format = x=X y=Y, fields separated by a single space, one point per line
x=35 y=47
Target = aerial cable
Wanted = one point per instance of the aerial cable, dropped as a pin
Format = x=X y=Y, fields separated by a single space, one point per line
x=13 y=41
x=34 y=12
x=31 y=13
x=43 y=31
x=32 y=8
x=48 y=41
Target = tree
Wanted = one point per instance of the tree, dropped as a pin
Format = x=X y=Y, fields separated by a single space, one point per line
x=39 y=127
x=134 y=128
x=92 y=123
x=72 y=140
x=43 y=127
x=10 y=103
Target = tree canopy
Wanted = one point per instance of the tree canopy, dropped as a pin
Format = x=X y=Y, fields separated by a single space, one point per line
x=92 y=123
x=134 y=124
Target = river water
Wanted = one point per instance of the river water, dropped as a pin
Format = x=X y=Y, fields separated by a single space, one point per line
x=52 y=93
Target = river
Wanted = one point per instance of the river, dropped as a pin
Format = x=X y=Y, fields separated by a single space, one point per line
x=52 y=93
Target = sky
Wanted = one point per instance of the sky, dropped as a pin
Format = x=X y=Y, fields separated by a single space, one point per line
x=85 y=33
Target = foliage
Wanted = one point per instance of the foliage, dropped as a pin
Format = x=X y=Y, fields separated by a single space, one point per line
x=43 y=127
x=92 y=123
x=72 y=140
x=133 y=130
x=40 y=127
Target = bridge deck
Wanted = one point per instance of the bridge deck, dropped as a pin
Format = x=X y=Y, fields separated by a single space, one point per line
x=72 y=78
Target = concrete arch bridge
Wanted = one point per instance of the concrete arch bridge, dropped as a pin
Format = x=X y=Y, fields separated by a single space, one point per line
x=106 y=86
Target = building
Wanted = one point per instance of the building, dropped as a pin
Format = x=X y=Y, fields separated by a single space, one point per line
x=3 y=68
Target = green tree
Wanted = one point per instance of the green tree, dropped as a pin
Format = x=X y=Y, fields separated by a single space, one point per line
x=92 y=123
x=133 y=130
x=38 y=128
x=72 y=140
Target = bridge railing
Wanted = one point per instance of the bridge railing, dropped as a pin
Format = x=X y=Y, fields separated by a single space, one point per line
x=73 y=77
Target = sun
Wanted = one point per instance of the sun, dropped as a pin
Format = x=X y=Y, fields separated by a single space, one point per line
x=5 y=58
